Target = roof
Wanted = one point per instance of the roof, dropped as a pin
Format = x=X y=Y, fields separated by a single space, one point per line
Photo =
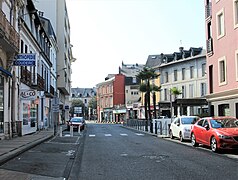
x=83 y=92
x=130 y=70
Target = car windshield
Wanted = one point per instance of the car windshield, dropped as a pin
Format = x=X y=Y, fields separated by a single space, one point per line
x=189 y=120
x=224 y=123
x=76 y=120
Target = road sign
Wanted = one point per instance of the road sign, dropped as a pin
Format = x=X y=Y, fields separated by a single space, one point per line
x=77 y=109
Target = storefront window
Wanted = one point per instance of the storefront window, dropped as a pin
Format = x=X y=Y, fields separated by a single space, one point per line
x=29 y=113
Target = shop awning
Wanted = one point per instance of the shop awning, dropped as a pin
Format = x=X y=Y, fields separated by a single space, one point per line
x=5 y=72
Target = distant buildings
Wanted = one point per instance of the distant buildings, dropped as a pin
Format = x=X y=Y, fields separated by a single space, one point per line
x=85 y=95
x=222 y=56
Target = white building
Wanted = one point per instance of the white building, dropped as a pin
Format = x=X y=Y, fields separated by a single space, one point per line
x=186 y=71
x=56 y=11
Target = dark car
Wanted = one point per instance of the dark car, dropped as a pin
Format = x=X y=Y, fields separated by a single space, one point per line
x=76 y=123
x=216 y=132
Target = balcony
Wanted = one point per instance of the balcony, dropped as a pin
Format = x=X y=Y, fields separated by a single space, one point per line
x=9 y=37
x=26 y=76
x=210 y=46
x=208 y=10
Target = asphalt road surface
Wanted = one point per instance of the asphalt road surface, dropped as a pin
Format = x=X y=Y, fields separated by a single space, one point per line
x=112 y=152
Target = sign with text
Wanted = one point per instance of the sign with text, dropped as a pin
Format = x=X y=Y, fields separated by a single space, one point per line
x=77 y=109
x=25 y=60
x=28 y=94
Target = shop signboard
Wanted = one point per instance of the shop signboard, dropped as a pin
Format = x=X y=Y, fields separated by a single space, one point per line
x=28 y=94
x=25 y=59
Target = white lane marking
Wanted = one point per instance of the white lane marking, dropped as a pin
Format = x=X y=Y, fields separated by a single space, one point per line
x=124 y=154
x=139 y=134
x=107 y=135
x=124 y=134
x=67 y=135
x=91 y=135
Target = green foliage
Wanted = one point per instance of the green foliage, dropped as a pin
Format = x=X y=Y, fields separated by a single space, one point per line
x=93 y=103
x=175 y=91
x=76 y=103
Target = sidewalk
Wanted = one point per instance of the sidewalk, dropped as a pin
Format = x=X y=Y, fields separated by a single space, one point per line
x=13 y=147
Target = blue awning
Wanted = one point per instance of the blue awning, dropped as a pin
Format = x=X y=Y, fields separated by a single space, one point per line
x=5 y=71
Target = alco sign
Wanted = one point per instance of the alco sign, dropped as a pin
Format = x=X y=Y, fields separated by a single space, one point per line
x=28 y=94
x=25 y=60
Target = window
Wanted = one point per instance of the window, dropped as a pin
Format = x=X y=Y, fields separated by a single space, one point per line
x=191 y=90
x=203 y=69
x=165 y=94
x=222 y=70
x=236 y=61
x=183 y=73
x=134 y=80
x=166 y=77
x=203 y=89
x=191 y=72
x=175 y=75
x=183 y=92
x=235 y=4
x=220 y=24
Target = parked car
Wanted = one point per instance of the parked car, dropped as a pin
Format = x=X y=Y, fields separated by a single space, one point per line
x=77 y=122
x=181 y=127
x=216 y=132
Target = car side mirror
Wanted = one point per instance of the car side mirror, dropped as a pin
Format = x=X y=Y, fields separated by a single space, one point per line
x=178 y=124
x=206 y=127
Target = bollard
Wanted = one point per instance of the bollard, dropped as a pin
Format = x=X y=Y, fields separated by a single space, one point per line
x=71 y=131
x=61 y=132
x=79 y=129
x=156 y=127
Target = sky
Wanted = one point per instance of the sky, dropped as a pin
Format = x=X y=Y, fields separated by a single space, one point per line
x=106 y=32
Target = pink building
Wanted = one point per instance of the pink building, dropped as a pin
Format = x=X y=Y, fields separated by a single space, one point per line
x=222 y=56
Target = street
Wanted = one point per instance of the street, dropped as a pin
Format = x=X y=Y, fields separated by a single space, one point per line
x=111 y=151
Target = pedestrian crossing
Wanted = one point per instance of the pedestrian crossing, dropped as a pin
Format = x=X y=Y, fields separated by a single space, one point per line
x=110 y=135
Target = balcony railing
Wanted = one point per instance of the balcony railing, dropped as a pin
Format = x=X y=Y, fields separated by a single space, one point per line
x=40 y=82
x=9 y=35
x=26 y=76
x=209 y=46
x=208 y=10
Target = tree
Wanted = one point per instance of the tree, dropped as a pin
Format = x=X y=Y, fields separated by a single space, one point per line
x=92 y=103
x=76 y=103
x=145 y=76
x=173 y=91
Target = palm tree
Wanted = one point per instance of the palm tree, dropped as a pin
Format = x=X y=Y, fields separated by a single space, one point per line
x=146 y=75
x=174 y=91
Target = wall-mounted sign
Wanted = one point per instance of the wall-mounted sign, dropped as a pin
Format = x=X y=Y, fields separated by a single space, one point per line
x=25 y=60
x=28 y=94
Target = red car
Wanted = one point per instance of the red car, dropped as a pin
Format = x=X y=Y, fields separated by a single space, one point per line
x=216 y=132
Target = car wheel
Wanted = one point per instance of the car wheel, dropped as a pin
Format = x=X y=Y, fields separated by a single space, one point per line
x=171 y=134
x=193 y=140
x=181 y=137
x=213 y=144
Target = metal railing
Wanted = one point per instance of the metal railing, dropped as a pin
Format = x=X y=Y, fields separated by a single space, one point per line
x=160 y=126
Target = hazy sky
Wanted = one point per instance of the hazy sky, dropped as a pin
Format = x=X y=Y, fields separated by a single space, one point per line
x=106 y=32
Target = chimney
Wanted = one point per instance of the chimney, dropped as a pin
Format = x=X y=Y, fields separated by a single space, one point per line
x=181 y=49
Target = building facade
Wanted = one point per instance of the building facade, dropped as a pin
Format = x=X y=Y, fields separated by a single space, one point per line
x=222 y=56
x=56 y=11
x=132 y=93
x=111 y=99
x=85 y=95
x=10 y=41
x=186 y=71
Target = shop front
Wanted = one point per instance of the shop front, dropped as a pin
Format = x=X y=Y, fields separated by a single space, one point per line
x=28 y=110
